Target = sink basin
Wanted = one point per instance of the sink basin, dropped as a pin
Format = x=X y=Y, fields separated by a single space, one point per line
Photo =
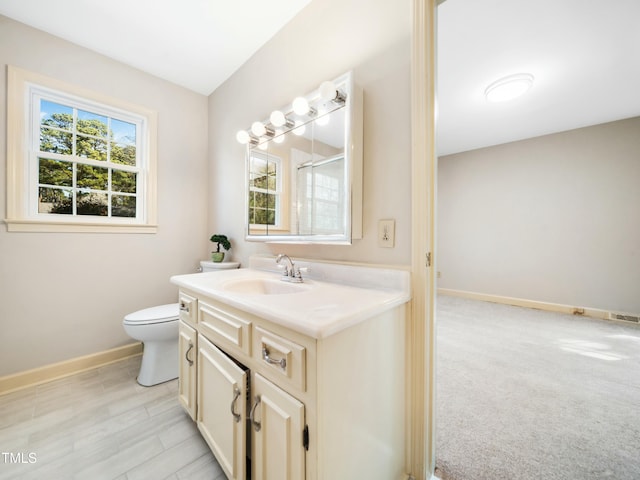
x=263 y=286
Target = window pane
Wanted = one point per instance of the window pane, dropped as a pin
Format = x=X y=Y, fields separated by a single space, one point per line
x=55 y=200
x=271 y=217
x=96 y=178
x=90 y=147
x=92 y=124
x=92 y=204
x=271 y=183
x=260 y=217
x=123 y=132
x=261 y=182
x=261 y=200
x=54 y=172
x=123 y=154
x=56 y=115
x=122 y=206
x=55 y=141
x=123 y=181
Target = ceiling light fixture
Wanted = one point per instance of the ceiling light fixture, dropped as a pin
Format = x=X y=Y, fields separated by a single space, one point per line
x=509 y=88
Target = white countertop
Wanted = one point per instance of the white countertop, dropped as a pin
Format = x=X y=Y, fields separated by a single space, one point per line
x=322 y=308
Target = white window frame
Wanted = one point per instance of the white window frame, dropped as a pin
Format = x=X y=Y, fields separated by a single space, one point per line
x=278 y=193
x=24 y=90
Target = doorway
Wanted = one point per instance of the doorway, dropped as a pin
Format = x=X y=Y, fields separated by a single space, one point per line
x=542 y=272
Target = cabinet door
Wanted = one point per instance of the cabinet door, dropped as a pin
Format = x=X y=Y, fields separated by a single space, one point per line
x=277 y=428
x=222 y=393
x=187 y=382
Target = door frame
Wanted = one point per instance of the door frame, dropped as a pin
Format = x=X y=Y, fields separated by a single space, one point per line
x=421 y=331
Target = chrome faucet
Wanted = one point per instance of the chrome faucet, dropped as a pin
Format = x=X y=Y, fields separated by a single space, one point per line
x=291 y=272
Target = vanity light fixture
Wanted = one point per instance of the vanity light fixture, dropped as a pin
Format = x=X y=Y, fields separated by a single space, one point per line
x=509 y=87
x=279 y=119
x=301 y=107
x=261 y=132
x=329 y=93
x=259 y=129
x=243 y=137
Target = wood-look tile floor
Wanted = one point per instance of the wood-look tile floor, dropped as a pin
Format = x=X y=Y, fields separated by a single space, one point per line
x=101 y=424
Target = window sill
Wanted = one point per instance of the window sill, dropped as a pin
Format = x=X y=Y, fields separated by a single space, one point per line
x=14 y=225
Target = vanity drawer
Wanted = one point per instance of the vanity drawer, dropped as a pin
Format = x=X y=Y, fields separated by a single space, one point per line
x=224 y=328
x=188 y=307
x=282 y=358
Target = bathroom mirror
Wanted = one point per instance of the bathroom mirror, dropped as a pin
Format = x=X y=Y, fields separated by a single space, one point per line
x=304 y=168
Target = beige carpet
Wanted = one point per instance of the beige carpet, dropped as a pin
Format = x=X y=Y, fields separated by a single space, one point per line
x=525 y=394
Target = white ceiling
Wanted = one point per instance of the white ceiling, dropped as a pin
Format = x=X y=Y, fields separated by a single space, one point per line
x=584 y=54
x=194 y=43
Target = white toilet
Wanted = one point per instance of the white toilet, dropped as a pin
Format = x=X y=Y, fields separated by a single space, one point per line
x=157 y=329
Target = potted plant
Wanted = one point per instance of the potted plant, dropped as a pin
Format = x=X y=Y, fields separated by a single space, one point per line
x=220 y=241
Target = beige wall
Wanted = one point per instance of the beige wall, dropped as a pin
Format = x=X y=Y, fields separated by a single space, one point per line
x=553 y=219
x=64 y=295
x=326 y=39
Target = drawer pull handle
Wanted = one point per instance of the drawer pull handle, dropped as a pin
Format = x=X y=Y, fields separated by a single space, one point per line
x=236 y=394
x=272 y=361
x=186 y=355
x=184 y=307
x=256 y=425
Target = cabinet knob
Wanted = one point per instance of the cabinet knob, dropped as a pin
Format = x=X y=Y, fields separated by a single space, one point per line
x=184 y=307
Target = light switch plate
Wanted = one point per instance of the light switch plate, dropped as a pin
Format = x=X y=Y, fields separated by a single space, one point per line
x=386 y=233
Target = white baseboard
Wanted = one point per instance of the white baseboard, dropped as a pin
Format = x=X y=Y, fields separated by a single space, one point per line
x=522 y=302
x=58 y=370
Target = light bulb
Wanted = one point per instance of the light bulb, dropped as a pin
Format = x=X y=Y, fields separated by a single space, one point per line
x=263 y=145
x=258 y=129
x=279 y=136
x=328 y=91
x=277 y=118
x=300 y=128
x=301 y=106
x=242 y=137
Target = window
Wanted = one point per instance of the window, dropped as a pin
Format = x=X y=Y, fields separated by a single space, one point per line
x=322 y=196
x=77 y=161
x=265 y=190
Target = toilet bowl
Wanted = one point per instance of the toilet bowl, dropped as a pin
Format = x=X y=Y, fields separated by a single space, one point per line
x=157 y=329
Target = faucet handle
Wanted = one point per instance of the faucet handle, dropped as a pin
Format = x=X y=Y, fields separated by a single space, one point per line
x=298 y=271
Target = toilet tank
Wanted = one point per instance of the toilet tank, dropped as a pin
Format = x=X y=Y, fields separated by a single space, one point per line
x=208 y=266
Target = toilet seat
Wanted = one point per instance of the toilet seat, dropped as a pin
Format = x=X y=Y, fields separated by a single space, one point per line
x=159 y=314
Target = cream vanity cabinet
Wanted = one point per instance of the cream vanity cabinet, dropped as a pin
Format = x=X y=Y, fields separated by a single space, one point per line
x=273 y=403
x=187 y=348
x=241 y=413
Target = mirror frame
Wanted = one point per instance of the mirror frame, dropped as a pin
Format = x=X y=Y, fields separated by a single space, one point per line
x=353 y=148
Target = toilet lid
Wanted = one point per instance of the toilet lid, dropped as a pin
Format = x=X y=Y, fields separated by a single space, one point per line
x=161 y=313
